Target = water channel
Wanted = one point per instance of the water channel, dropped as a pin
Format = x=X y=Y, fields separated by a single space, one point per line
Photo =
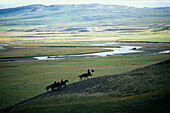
x=113 y=51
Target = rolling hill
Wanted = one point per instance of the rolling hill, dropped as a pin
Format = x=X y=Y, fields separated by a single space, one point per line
x=54 y=14
x=141 y=90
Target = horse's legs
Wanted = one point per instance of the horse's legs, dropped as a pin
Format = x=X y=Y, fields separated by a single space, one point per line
x=58 y=87
x=52 y=88
x=85 y=78
x=80 y=78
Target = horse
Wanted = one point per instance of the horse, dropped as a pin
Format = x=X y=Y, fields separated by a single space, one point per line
x=52 y=86
x=58 y=85
x=85 y=75
x=63 y=83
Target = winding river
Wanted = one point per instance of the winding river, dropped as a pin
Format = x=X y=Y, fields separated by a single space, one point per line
x=114 y=51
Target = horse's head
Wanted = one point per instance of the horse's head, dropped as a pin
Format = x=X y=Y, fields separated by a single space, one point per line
x=66 y=81
x=92 y=70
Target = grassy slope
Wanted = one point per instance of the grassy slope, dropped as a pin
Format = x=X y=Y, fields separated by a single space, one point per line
x=46 y=15
x=141 y=90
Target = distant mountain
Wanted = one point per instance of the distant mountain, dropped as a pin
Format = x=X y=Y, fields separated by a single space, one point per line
x=163 y=8
x=43 y=15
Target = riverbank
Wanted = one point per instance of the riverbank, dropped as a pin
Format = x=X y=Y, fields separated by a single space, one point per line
x=30 y=52
x=97 y=50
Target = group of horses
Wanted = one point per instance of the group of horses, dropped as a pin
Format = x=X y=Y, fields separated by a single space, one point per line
x=58 y=85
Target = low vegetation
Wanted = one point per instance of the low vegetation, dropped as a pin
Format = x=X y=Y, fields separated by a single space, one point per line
x=142 y=90
x=22 y=80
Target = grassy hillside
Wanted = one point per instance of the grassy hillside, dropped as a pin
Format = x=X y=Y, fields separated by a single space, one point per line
x=22 y=80
x=141 y=90
x=35 y=16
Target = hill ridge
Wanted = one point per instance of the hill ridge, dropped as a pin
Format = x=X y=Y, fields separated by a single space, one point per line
x=46 y=15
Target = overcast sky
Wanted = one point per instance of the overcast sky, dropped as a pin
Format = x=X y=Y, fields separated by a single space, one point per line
x=134 y=3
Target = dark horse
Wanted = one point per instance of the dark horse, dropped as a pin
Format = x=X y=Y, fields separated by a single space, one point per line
x=63 y=83
x=85 y=75
x=58 y=85
x=53 y=86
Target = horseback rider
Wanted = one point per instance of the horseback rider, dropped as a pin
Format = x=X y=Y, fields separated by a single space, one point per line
x=55 y=82
x=85 y=75
x=88 y=72
x=62 y=80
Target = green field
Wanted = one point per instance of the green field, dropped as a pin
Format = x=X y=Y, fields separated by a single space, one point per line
x=25 y=79
x=22 y=80
x=75 y=38
x=146 y=91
